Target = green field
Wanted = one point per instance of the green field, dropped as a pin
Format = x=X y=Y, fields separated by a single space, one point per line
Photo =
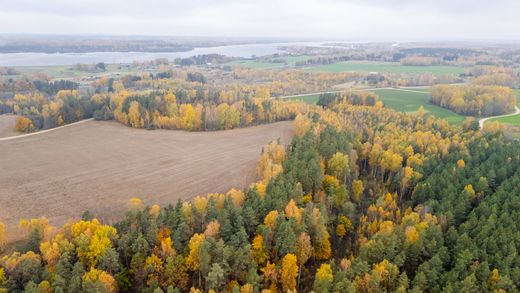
x=510 y=120
x=391 y=67
x=411 y=101
x=417 y=89
x=291 y=60
x=67 y=71
x=255 y=64
x=402 y=101
x=309 y=99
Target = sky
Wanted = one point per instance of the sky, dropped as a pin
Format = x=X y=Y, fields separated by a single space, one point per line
x=325 y=19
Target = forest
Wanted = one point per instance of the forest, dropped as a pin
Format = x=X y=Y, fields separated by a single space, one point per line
x=364 y=199
x=350 y=97
x=272 y=146
x=186 y=99
x=474 y=100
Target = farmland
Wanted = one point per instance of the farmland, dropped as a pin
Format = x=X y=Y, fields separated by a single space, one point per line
x=63 y=173
x=387 y=67
x=66 y=72
x=7 y=125
x=309 y=99
x=255 y=64
x=259 y=64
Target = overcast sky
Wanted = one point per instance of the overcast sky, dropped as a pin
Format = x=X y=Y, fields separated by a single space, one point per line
x=333 y=19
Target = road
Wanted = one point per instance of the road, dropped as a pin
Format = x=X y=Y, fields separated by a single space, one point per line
x=44 y=131
x=481 y=121
x=282 y=97
x=407 y=89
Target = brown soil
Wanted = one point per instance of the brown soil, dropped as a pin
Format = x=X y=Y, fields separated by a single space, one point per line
x=7 y=122
x=99 y=166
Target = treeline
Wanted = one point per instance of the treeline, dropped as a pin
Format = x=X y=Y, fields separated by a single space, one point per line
x=240 y=82
x=9 y=71
x=97 y=67
x=53 y=87
x=494 y=75
x=204 y=59
x=322 y=60
x=165 y=111
x=240 y=98
x=474 y=100
x=363 y=200
x=39 y=112
x=84 y=45
x=354 y=98
x=22 y=85
x=420 y=61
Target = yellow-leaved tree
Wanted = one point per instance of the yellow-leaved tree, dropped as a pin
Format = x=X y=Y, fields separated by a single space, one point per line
x=258 y=250
x=92 y=239
x=303 y=251
x=338 y=165
x=357 y=190
x=134 y=115
x=288 y=272
x=2 y=236
x=193 y=260
x=301 y=125
x=323 y=279
x=99 y=276
x=24 y=124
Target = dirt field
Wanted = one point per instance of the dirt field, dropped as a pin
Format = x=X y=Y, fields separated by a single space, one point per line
x=99 y=166
x=7 y=125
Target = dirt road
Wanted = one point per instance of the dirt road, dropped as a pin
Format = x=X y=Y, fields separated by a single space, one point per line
x=482 y=121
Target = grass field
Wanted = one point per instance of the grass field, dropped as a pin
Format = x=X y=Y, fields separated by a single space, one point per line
x=391 y=67
x=403 y=101
x=511 y=120
x=67 y=71
x=417 y=89
x=291 y=60
x=411 y=101
x=255 y=64
x=99 y=166
x=309 y=99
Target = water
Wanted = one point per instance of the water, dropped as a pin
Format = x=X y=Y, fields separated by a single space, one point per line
x=45 y=59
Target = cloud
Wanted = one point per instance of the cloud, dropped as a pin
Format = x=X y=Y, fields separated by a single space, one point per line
x=353 y=19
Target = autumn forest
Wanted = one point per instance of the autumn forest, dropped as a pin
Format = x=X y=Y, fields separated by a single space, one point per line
x=398 y=169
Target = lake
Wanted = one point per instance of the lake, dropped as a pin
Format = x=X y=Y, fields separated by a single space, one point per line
x=44 y=59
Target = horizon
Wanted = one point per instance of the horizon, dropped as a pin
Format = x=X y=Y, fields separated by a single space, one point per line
x=268 y=39
x=381 y=20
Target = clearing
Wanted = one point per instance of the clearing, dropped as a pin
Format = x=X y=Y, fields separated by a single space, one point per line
x=407 y=100
x=290 y=61
x=100 y=166
x=403 y=100
x=68 y=71
x=391 y=67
